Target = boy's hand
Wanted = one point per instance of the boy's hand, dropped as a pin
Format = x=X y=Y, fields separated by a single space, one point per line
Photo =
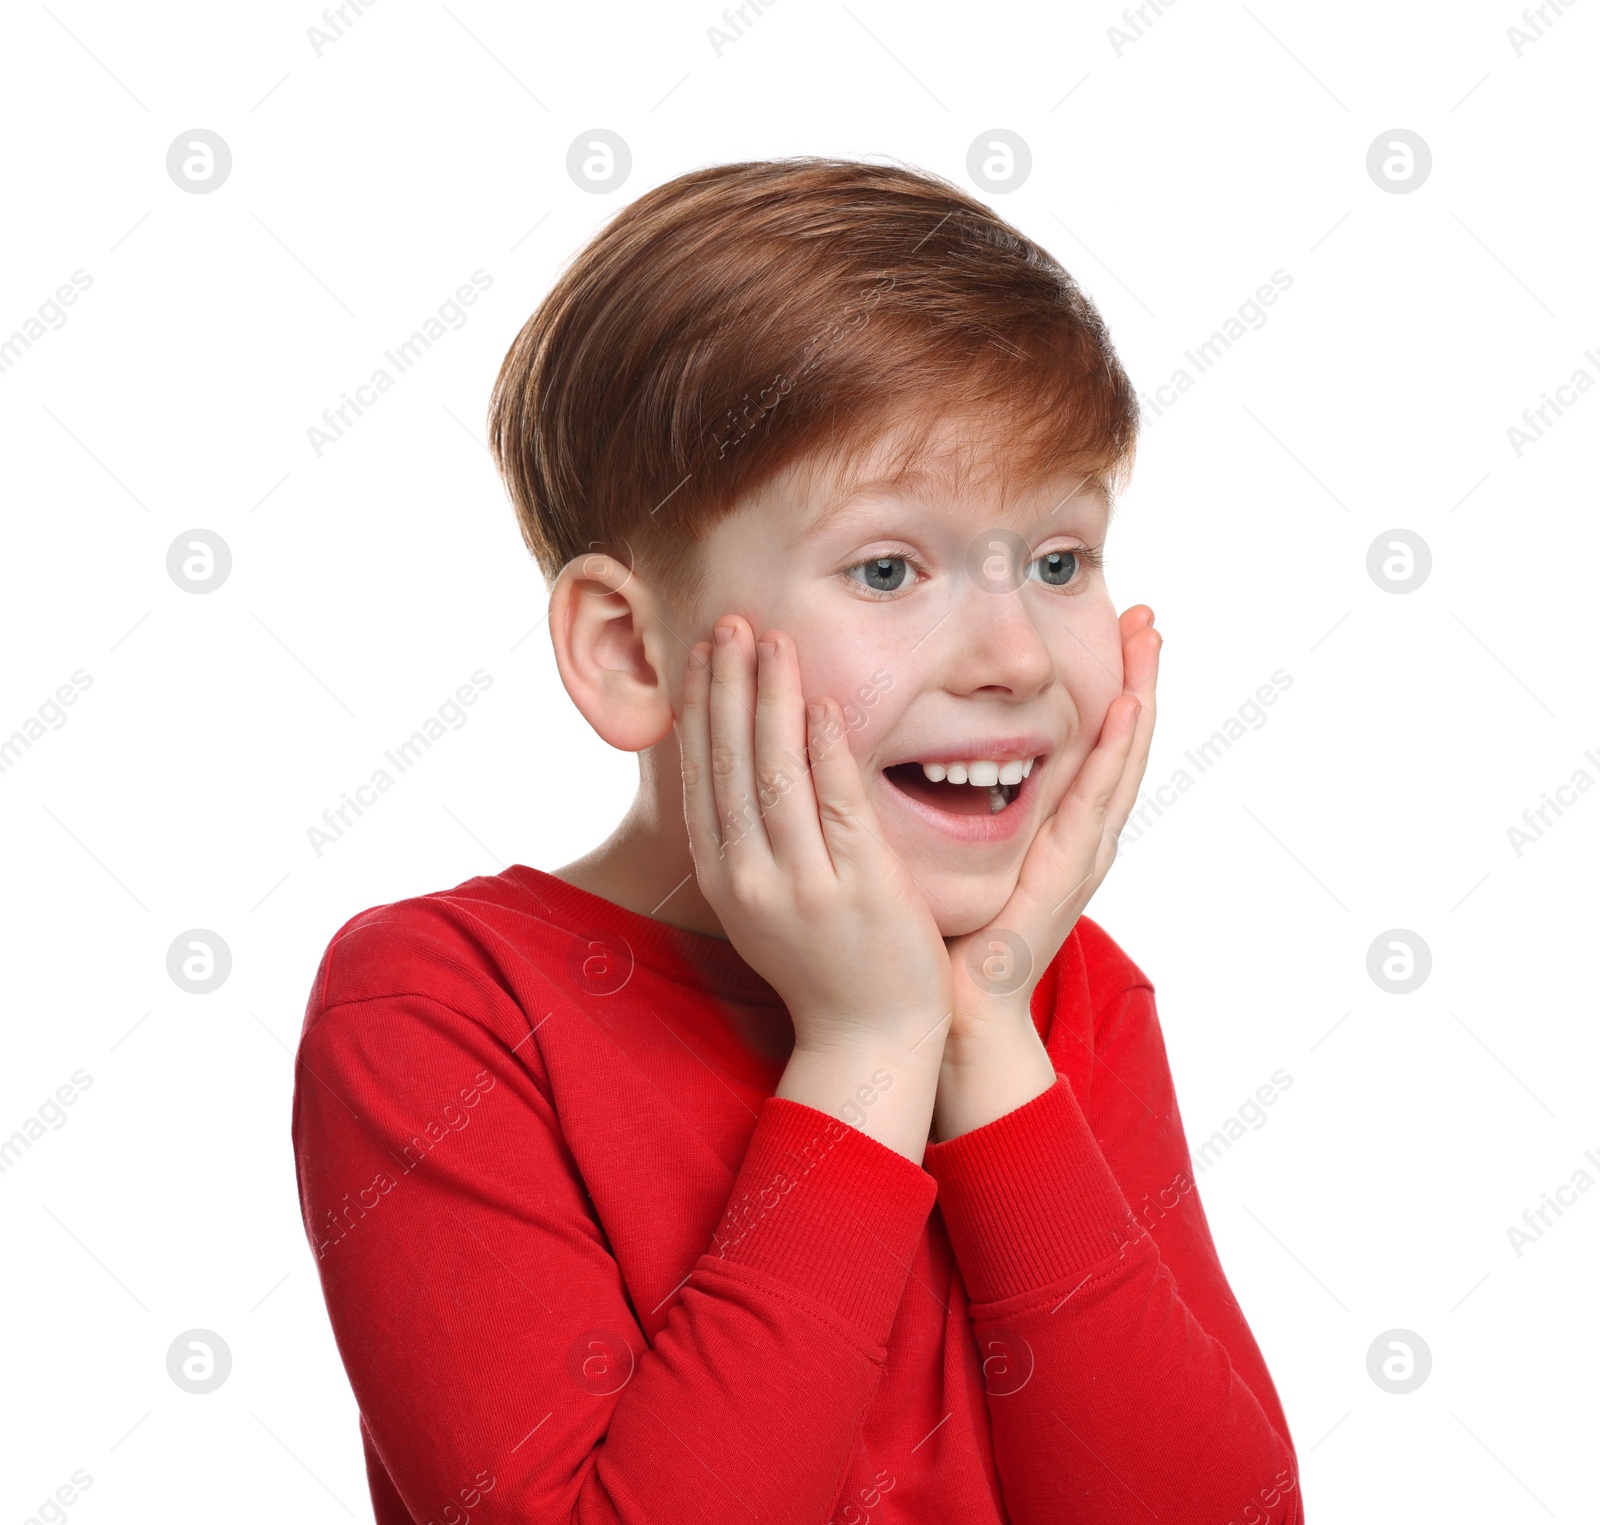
x=788 y=853
x=994 y=970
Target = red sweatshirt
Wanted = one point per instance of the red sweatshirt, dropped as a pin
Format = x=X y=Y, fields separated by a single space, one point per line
x=582 y=1265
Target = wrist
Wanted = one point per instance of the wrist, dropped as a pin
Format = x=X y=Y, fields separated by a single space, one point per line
x=879 y=1081
x=980 y=1021
x=902 y=1035
x=982 y=1079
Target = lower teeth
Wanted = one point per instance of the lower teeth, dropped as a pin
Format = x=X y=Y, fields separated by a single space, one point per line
x=997 y=799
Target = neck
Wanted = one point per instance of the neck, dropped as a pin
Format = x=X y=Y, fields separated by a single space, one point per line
x=645 y=864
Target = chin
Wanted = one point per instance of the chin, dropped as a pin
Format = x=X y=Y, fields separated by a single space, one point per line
x=962 y=903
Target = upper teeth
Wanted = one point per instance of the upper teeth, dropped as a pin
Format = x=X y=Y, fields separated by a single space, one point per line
x=983 y=773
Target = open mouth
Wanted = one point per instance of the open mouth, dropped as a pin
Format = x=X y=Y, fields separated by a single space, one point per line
x=976 y=787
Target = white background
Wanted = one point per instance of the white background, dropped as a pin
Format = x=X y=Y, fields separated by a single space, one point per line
x=1172 y=178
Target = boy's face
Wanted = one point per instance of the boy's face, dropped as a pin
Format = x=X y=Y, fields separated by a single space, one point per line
x=953 y=630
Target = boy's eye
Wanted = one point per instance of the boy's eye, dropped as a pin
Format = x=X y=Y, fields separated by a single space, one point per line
x=1057 y=568
x=883 y=574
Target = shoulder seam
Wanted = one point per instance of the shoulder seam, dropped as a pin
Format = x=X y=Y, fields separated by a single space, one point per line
x=389 y=995
x=1111 y=1009
x=446 y=959
x=537 y=1074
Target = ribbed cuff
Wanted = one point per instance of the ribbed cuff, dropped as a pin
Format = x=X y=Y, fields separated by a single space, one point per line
x=829 y=1211
x=1028 y=1199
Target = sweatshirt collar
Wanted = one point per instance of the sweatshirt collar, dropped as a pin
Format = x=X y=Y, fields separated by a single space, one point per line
x=708 y=965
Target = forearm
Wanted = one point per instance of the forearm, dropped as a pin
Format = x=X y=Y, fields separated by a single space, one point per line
x=985 y=1075
x=884 y=1084
x=1119 y=1367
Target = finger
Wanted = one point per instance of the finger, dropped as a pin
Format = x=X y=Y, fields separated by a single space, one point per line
x=783 y=773
x=842 y=808
x=1135 y=617
x=1103 y=768
x=1061 y=867
x=1140 y=662
x=733 y=705
x=1067 y=859
x=694 y=744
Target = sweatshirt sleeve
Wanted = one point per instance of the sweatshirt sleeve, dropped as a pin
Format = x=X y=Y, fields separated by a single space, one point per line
x=486 y=1329
x=1122 y=1381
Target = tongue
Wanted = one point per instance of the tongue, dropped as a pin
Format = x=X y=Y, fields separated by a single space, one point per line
x=956 y=799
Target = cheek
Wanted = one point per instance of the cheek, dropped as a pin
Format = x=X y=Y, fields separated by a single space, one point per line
x=1105 y=682
x=863 y=669
x=1092 y=669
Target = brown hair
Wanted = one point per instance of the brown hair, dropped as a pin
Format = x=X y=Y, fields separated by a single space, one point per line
x=741 y=317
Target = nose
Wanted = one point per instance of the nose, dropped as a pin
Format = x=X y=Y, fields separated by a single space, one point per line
x=1000 y=650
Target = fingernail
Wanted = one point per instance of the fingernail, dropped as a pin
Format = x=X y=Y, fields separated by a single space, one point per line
x=767 y=649
x=723 y=633
x=815 y=711
x=698 y=655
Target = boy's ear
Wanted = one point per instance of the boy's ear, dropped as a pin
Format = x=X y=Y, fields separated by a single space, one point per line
x=613 y=651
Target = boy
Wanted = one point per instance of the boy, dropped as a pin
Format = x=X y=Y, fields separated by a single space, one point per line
x=801 y=1153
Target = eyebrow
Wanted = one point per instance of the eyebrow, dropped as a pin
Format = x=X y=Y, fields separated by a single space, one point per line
x=915 y=482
